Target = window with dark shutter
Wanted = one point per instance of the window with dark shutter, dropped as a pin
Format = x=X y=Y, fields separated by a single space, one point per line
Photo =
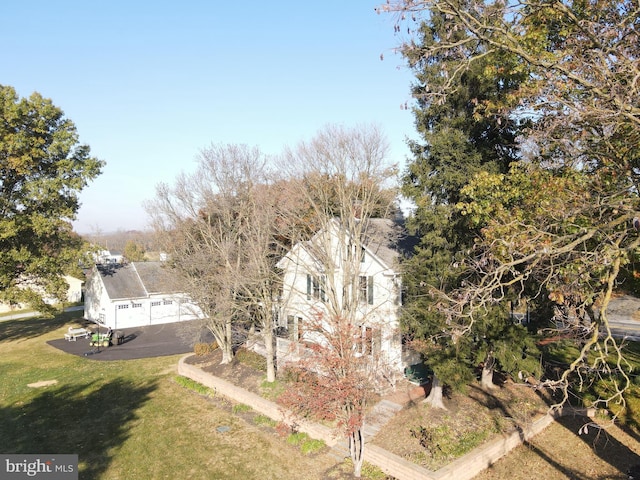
x=362 y=289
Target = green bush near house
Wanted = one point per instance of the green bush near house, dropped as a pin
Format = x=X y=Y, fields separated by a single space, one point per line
x=443 y=443
x=311 y=446
x=265 y=421
x=296 y=438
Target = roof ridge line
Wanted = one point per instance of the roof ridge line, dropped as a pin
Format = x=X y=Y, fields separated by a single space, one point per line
x=144 y=287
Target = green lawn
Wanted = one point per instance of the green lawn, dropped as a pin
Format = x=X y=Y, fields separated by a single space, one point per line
x=127 y=419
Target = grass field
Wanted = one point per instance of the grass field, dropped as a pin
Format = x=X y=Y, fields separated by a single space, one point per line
x=133 y=420
x=127 y=419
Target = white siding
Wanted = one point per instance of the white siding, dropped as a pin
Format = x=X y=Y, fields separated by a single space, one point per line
x=135 y=312
x=382 y=314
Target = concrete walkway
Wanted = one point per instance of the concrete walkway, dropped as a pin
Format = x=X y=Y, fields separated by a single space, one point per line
x=380 y=415
x=623 y=314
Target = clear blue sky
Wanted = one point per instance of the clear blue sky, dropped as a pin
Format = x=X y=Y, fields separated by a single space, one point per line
x=151 y=83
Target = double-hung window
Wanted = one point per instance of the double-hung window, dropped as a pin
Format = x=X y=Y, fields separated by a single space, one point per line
x=371 y=341
x=365 y=285
x=294 y=327
x=316 y=287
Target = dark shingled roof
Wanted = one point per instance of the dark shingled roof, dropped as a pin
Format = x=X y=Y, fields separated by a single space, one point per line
x=134 y=280
x=154 y=278
x=388 y=240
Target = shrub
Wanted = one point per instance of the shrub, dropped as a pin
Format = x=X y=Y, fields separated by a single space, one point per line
x=202 y=349
x=251 y=359
x=370 y=472
x=240 y=408
x=306 y=444
x=264 y=420
x=311 y=445
x=296 y=438
x=442 y=443
x=194 y=386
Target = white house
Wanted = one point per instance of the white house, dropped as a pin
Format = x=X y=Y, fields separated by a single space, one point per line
x=74 y=294
x=133 y=295
x=315 y=270
x=107 y=257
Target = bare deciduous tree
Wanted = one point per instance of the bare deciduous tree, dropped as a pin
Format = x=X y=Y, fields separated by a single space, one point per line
x=217 y=225
x=344 y=181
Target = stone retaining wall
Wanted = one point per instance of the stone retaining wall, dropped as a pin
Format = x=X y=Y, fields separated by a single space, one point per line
x=464 y=468
x=256 y=402
x=469 y=465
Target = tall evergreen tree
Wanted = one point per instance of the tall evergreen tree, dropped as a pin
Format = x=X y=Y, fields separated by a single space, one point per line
x=473 y=129
x=565 y=221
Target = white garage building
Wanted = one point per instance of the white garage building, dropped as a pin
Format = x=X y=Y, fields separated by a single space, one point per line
x=134 y=295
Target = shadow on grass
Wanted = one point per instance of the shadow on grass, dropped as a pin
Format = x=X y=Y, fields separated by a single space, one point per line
x=74 y=420
x=25 y=328
x=567 y=472
x=632 y=432
x=604 y=445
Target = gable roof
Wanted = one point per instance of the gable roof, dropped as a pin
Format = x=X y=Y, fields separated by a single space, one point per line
x=134 y=280
x=385 y=239
x=154 y=277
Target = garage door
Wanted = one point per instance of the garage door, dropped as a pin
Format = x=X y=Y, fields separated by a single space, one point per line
x=130 y=315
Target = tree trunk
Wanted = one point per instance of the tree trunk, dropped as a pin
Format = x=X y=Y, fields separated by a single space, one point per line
x=223 y=340
x=227 y=354
x=435 y=395
x=487 y=373
x=227 y=346
x=268 y=343
x=356 y=449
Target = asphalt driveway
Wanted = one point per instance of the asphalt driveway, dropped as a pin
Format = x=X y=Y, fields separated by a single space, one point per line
x=140 y=342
